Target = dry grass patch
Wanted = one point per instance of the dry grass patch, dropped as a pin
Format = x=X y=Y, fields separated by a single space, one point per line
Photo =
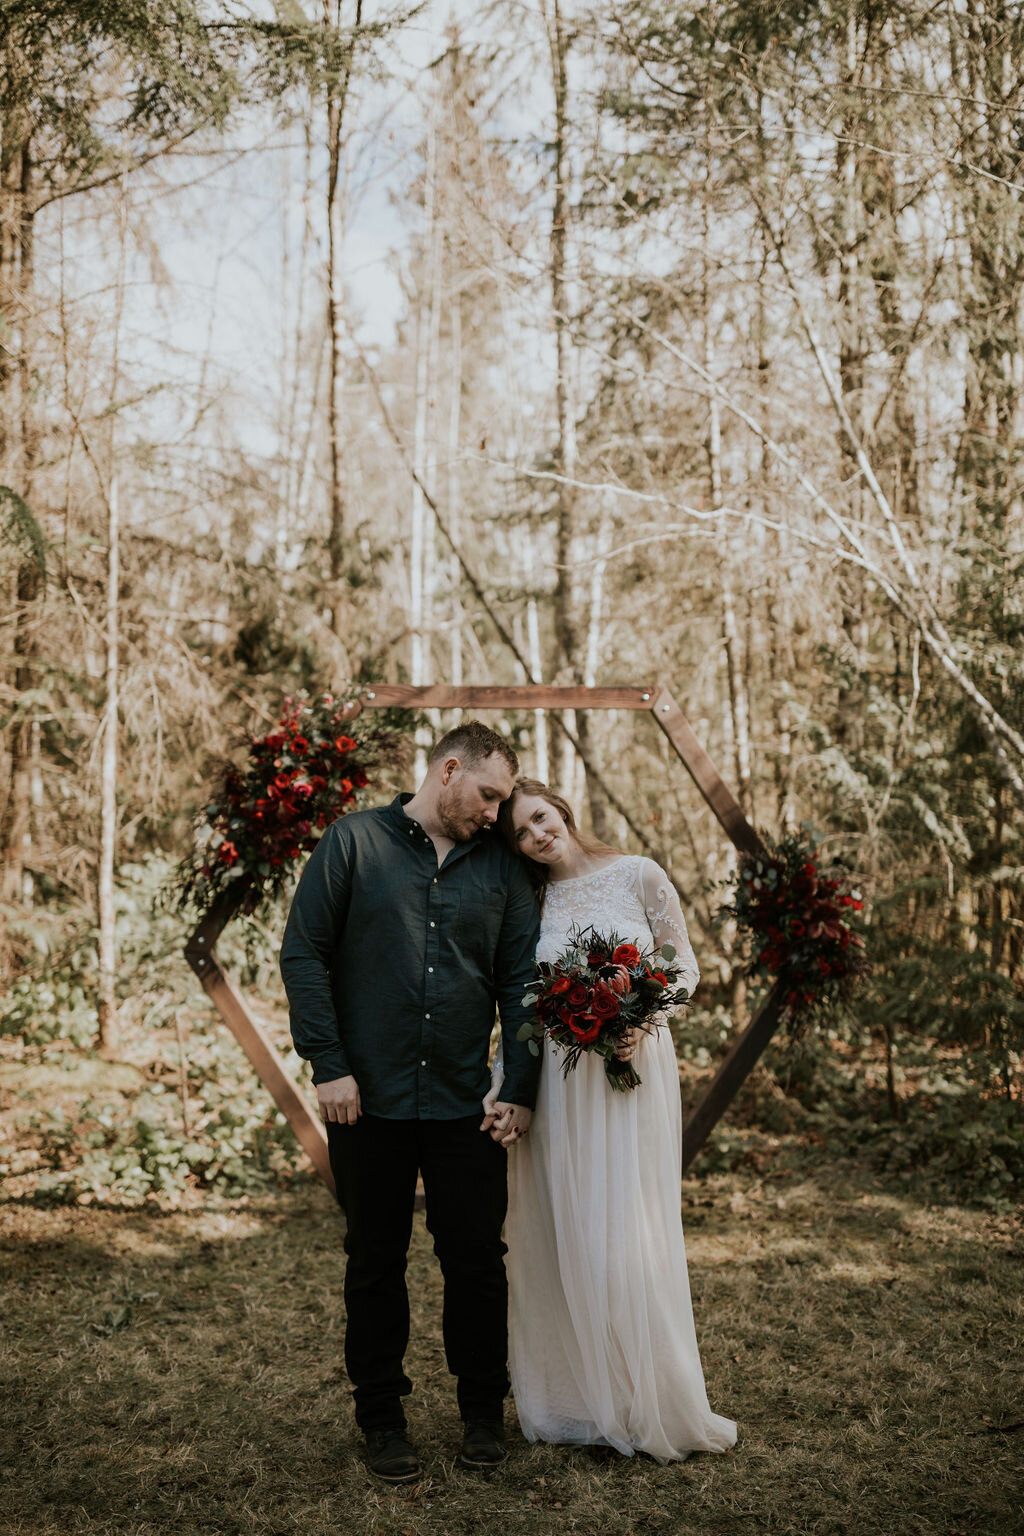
x=183 y=1373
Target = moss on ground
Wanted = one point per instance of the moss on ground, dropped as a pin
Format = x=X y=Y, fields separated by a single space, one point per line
x=183 y=1372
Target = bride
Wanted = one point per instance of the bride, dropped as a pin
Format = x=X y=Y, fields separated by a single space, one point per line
x=602 y=1349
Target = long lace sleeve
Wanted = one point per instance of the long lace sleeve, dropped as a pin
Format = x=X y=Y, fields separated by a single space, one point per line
x=665 y=916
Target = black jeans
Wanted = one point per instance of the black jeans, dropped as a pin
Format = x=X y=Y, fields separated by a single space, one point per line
x=464 y=1177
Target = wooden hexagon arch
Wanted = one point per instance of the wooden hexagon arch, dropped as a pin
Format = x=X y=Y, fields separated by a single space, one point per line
x=200 y=951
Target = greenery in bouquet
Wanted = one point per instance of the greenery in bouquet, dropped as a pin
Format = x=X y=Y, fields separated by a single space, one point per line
x=264 y=815
x=802 y=918
x=594 y=993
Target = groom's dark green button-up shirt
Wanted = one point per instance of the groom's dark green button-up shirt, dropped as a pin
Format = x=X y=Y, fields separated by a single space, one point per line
x=393 y=966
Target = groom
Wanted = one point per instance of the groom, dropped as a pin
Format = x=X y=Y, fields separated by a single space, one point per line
x=409 y=923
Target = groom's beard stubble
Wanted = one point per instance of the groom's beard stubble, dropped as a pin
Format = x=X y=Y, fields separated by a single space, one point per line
x=455 y=820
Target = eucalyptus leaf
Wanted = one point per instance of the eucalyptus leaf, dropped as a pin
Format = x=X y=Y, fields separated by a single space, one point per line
x=533 y=1048
x=668 y=951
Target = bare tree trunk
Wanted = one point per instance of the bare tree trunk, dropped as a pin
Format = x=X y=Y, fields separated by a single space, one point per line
x=456 y=616
x=566 y=637
x=739 y=705
x=595 y=625
x=107 y=1001
x=337 y=96
x=421 y=522
x=540 y=719
x=851 y=376
x=18 y=446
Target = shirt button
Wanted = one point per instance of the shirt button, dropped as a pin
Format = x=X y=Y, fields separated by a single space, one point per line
x=435 y=880
x=422 y=1063
x=433 y=925
x=426 y=1015
x=430 y=968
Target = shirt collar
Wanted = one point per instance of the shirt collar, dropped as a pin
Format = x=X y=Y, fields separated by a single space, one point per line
x=396 y=810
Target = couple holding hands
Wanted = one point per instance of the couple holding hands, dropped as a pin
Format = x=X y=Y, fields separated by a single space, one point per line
x=410 y=923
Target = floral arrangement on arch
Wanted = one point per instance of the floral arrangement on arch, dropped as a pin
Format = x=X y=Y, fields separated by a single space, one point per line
x=264 y=815
x=801 y=916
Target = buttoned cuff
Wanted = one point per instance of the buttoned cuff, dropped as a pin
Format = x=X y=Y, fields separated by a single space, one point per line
x=515 y=1091
x=330 y=1066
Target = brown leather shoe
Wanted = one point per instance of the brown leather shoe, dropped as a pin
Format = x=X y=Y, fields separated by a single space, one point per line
x=390 y=1457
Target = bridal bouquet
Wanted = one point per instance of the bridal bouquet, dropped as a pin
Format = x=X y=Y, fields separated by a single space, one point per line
x=594 y=993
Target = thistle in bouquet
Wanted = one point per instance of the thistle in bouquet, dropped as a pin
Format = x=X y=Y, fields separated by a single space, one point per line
x=598 y=989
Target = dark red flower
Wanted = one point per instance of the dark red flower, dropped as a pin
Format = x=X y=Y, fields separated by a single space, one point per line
x=578 y=996
x=343 y=743
x=605 y=1004
x=299 y=745
x=559 y=985
x=627 y=955
x=586 y=1028
x=227 y=853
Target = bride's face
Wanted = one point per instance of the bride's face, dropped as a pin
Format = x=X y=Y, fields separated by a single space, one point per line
x=540 y=832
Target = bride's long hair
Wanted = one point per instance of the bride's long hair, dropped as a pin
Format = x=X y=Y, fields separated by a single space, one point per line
x=539 y=873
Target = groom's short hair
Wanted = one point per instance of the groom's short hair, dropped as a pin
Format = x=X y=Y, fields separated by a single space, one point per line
x=472 y=742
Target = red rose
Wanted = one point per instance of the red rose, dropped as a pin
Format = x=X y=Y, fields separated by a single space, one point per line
x=559 y=985
x=605 y=1004
x=586 y=1028
x=810 y=868
x=596 y=959
x=797 y=928
x=343 y=743
x=578 y=997
x=227 y=853
x=627 y=955
x=660 y=976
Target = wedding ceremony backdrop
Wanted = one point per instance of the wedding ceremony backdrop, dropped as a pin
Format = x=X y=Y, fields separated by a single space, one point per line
x=648 y=378
x=201 y=954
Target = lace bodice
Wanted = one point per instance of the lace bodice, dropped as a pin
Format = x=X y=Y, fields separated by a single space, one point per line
x=630 y=896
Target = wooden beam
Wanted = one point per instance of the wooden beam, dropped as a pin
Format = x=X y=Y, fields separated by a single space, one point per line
x=528 y=696
x=704 y=773
x=260 y=1049
x=731 y=1075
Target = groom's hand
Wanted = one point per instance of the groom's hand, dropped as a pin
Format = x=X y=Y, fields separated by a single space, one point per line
x=339 y=1100
x=507 y=1123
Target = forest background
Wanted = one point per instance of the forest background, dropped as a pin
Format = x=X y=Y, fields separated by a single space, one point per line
x=504 y=342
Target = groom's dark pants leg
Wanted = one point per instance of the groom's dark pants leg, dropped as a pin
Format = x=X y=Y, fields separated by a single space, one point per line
x=464 y=1175
x=466 y=1188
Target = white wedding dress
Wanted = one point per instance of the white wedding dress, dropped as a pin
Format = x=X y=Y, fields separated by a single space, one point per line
x=602 y=1348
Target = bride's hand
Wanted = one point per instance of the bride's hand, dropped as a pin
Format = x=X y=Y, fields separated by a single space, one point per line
x=630 y=1041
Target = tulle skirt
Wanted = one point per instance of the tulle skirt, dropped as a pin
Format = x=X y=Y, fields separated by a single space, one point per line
x=602 y=1346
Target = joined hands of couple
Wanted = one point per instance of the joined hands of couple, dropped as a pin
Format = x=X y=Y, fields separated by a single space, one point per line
x=339 y=1101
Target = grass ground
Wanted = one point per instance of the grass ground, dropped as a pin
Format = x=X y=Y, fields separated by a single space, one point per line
x=182 y=1373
